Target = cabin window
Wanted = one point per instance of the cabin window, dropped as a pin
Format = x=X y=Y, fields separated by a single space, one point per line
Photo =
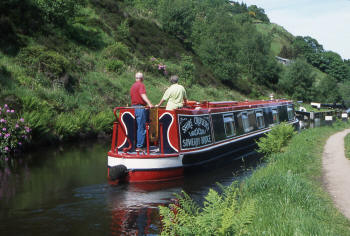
x=245 y=122
x=275 y=117
x=229 y=125
x=260 y=119
x=290 y=113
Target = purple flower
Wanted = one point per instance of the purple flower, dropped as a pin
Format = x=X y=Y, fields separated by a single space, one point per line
x=21 y=120
x=8 y=111
x=2 y=121
x=17 y=125
x=7 y=135
x=19 y=143
x=6 y=149
x=12 y=111
x=153 y=59
x=0 y=134
x=4 y=129
x=5 y=106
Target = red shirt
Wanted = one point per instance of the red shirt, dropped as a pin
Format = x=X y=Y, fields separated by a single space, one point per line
x=136 y=90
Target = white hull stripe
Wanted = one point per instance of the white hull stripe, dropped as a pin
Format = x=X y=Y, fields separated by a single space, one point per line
x=147 y=163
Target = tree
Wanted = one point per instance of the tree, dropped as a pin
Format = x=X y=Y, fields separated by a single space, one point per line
x=327 y=90
x=297 y=80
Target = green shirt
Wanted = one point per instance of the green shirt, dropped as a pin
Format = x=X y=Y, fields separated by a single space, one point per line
x=175 y=95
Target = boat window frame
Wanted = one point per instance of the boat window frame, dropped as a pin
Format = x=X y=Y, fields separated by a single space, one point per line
x=275 y=113
x=259 y=114
x=245 y=122
x=290 y=112
x=231 y=122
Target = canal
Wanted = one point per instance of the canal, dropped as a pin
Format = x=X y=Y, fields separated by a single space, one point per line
x=64 y=191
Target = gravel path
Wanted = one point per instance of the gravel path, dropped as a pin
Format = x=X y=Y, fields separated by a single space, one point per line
x=336 y=171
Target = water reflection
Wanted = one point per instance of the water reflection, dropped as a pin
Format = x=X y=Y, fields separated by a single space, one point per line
x=65 y=191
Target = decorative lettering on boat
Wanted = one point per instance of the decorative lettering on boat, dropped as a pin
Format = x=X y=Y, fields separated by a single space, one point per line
x=195 y=131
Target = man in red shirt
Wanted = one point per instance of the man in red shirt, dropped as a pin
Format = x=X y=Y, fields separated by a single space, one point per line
x=139 y=100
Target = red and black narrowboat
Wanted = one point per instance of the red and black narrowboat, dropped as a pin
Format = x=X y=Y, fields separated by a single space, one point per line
x=200 y=133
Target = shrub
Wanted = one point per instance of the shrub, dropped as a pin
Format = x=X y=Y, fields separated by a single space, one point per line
x=115 y=66
x=117 y=51
x=86 y=35
x=276 y=139
x=57 y=11
x=39 y=59
x=222 y=214
x=14 y=133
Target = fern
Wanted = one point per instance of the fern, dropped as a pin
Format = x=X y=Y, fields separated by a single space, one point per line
x=222 y=214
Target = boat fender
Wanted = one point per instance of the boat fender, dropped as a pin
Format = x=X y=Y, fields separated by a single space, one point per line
x=117 y=172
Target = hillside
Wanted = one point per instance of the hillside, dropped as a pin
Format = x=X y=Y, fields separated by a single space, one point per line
x=65 y=64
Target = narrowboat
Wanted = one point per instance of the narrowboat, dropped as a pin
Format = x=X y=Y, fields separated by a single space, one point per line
x=200 y=133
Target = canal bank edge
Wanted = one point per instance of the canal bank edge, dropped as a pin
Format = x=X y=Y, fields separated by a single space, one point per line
x=290 y=193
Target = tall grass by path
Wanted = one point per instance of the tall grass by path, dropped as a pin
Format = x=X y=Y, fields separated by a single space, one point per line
x=347 y=146
x=288 y=191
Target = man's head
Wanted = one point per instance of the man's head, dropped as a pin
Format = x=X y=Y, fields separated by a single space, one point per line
x=174 y=79
x=139 y=76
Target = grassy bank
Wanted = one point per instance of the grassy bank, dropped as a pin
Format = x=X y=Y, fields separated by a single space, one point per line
x=283 y=197
x=288 y=192
x=347 y=146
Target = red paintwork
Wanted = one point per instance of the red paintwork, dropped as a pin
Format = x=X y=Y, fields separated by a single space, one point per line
x=152 y=175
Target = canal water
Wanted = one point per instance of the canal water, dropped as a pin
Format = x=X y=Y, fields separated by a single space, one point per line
x=64 y=191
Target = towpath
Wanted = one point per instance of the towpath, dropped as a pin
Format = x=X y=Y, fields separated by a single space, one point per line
x=336 y=171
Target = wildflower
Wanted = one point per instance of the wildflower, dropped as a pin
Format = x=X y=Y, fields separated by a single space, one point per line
x=4 y=129
x=12 y=111
x=153 y=59
x=17 y=126
x=27 y=129
x=21 y=120
x=0 y=134
x=8 y=111
x=6 y=149
x=2 y=121
x=7 y=135
x=19 y=143
x=5 y=106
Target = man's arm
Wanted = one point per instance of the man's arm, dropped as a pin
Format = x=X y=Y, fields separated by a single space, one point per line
x=160 y=103
x=145 y=98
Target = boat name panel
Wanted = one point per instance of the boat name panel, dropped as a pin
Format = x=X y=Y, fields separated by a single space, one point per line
x=195 y=131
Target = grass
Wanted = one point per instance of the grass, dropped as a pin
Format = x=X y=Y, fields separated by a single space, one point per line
x=347 y=146
x=289 y=190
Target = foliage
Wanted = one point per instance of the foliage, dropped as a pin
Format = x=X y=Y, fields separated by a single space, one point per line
x=39 y=59
x=344 y=89
x=117 y=51
x=276 y=139
x=297 y=80
x=328 y=90
x=123 y=31
x=58 y=11
x=289 y=193
x=259 y=13
x=347 y=146
x=222 y=214
x=14 y=132
x=187 y=70
x=115 y=66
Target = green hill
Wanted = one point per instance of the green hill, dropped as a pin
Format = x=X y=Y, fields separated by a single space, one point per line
x=64 y=65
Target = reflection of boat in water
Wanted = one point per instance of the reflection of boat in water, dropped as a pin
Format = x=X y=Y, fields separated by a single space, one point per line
x=198 y=134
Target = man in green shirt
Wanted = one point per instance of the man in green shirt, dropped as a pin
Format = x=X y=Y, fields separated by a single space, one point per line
x=175 y=94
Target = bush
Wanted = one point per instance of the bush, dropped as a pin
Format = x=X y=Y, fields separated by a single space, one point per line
x=91 y=37
x=39 y=59
x=225 y=214
x=276 y=139
x=13 y=131
x=117 y=51
x=115 y=66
